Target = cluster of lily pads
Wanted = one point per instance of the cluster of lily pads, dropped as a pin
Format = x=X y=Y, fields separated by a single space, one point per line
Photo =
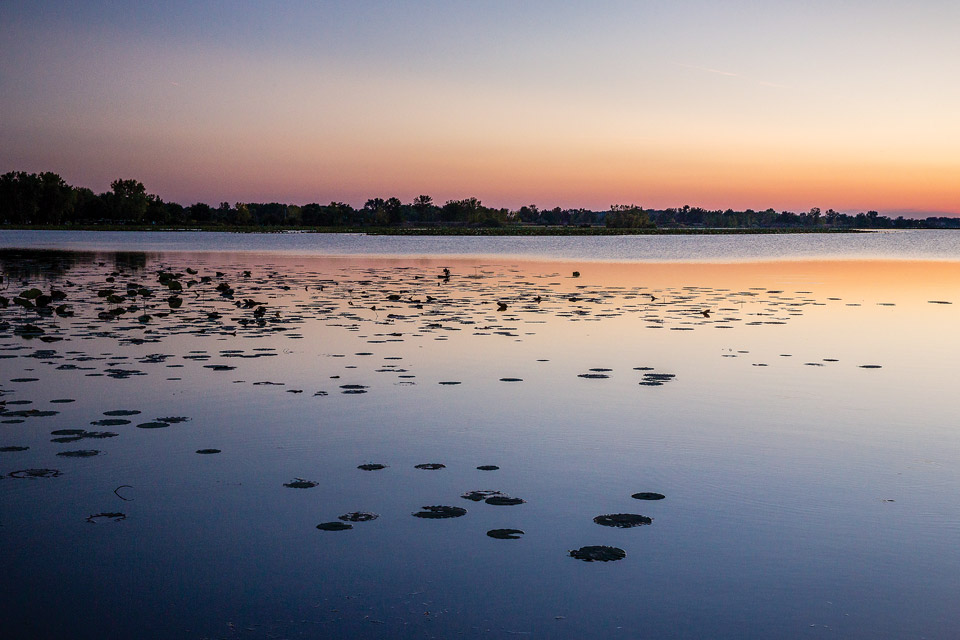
x=140 y=299
x=67 y=436
x=151 y=301
x=491 y=497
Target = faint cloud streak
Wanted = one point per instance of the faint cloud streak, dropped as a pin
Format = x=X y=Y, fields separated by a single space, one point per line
x=731 y=74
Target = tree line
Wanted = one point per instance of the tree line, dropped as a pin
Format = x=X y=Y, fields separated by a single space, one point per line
x=46 y=199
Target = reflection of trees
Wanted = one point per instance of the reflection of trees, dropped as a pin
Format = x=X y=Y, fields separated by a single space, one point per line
x=33 y=263
x=130 y=260
x=27 y=264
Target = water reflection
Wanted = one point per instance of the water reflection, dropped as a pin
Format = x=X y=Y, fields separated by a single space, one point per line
x=47 y=264
x=788 y=427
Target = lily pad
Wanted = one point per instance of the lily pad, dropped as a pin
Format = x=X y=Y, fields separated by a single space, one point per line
x=334 y=526
x=300 y=483
x=358 y=516
x=648 y=495
x=372 y=466
x=110 y=422
x=12 y=448
x=504 y=501
x=599 y=553
x=439 y=511
x=622 y=520
x=488 y=467
x=208 y=451
x=35 y=473
x=153 y=425
x=353 y=388
x=430 y=466
x=121 y=412
x=480 y=494
x=114 y=516
x=505 y=534
x=80 y=453
x=72 y=435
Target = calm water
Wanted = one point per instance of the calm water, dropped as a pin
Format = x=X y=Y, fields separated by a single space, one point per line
x=893 y=245
x=803 y=432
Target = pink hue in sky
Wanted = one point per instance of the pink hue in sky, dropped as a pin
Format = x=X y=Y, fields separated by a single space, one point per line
x=740 y=106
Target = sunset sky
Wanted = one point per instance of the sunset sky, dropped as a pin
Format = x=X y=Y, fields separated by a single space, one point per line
x=846 y=105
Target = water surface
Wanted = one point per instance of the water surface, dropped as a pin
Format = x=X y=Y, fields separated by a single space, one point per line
x=891 y=245
x=802 y=431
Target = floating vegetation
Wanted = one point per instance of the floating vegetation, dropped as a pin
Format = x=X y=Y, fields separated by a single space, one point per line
x=112 y=516
x=73 y=435
x=598 y=553
x=80 y=453
x=109 y=422
x=480 y=494
x=939 y=302
x=656 y=379
x=202 y=315
x=871 y=366
x=29 y=413
x=123 y=374
x=300 y=483
x=622 y=520
x=353 y=388
x=35 y=473
x=358 y=516
x=505 y=534
x=157 y=424
x=436 y=512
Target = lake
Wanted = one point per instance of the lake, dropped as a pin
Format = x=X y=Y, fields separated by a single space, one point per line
x=182 y=410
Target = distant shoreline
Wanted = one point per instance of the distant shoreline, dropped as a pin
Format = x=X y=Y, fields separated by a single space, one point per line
x=447 y=231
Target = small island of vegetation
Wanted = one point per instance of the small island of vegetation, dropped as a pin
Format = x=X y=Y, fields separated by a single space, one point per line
x=45 y=200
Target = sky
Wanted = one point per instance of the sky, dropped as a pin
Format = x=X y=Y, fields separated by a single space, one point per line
x=849 y=105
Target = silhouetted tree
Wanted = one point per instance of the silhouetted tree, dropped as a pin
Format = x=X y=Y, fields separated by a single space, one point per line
x=627 y=216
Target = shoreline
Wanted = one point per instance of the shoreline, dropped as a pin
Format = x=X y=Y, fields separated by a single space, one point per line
x=447 y=231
